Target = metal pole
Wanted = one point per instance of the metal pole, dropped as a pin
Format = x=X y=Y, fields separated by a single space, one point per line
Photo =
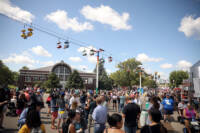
x=97 y=73
x=140 y=80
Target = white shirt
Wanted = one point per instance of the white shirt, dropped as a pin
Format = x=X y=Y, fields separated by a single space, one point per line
x=137 y=101
x=72 y=99
x=181 y=106
x=114 y=97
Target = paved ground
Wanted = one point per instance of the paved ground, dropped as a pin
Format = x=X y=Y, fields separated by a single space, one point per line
x=10 y=123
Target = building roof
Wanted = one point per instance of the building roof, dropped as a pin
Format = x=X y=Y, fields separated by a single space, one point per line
x=49 y=69
x=197 y=64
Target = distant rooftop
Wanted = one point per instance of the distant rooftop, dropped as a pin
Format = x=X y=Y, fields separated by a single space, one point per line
x=49 y=68
x=196 y=64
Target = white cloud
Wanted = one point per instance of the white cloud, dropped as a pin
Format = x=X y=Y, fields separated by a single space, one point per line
x=83 y=67
x=30 y=66
x=108 y=71
x=39 y=50
x=163 y=75
x=89 y=71
x=75 y=59
x=48 y=63
x=166 y=66
x=190 y=26
x=14 y=12
x=91 y=59
x=64 y=22
x=144 y=58
x=184 y=65
x=148 y=70
x=19 y=59
x=107 y=15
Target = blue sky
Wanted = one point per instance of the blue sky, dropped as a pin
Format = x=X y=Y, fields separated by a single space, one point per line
x=163 y=34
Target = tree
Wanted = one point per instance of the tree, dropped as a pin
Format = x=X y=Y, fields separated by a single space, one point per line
x=75 y=81
x=105 y=82
x=176 y=77
x=53 y=81
x=40 y=84
x=15 y=77
x=6 y=76
x=149 y=83
x=128 y=73
x=25 y=68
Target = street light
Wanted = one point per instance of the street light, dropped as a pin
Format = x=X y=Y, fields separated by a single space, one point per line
x=140 y=74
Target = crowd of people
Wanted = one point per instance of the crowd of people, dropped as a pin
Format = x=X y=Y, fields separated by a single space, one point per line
x=77 y=110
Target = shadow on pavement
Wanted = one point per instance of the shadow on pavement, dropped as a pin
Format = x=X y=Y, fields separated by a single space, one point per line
x=172 y=131
x=46 y=122
x=9 y=131
x=45 y=118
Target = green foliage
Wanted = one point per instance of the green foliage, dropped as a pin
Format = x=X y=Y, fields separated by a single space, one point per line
x=15 y=78
x=12 y=86
x=25 y=68
x=6 y=76
x=53 y=81
x=40 y=84
x=176 y=78
x=75 y=81
x=105 y=82
x=149 y=83
x=128 y=73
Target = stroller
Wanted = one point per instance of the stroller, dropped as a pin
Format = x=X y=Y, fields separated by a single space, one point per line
x=12 y=109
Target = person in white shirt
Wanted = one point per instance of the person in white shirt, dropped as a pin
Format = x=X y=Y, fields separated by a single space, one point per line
x=137 y=99
x=74 y=98
x=181 y=107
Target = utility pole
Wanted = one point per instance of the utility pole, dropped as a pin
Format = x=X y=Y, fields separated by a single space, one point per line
x=140 y=79
x=97 y=70
x=140 y=74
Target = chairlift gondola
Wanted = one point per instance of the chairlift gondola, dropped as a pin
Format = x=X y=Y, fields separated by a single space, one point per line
x=66 y=46
x=59 y=45
x=109 y=59
x=92 y=52
x=84 y=53
x=23 y=35
x=30 y=32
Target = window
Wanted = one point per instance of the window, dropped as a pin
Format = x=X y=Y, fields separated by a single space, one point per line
x=61 y=77
x=62 y=72
x=42 y=77
x=27 y=79
x=35 y=78
x=90 y=80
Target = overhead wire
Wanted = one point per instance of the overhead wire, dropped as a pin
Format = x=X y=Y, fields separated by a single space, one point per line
x=56 y=35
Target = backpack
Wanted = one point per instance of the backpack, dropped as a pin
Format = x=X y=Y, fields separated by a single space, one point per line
x=36 y=130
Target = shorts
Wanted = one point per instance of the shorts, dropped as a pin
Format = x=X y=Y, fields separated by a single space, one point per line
x=54 y=109
x=168 y=112
x=62 y=114
x=54 y=114
x=114 y=101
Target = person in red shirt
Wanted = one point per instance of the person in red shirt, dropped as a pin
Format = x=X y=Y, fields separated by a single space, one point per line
x=27 y=95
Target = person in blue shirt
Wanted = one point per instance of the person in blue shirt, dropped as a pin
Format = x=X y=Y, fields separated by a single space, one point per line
x=121 y=102
x=168 y=106
x=22 y=119
x=99 y=116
